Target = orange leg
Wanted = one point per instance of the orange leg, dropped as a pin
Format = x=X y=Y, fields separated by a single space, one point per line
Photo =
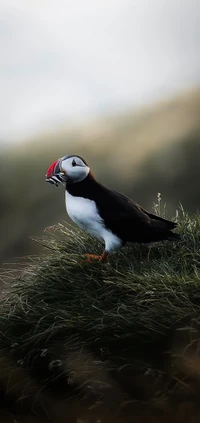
x=104 y=256
x=92 y=257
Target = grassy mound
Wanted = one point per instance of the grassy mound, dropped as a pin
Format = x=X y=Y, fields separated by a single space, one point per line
x=85 y=329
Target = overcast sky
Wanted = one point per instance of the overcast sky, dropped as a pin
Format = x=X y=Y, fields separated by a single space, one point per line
x=62 y=60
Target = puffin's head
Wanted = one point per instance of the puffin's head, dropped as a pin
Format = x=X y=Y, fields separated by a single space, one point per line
x=68 y=169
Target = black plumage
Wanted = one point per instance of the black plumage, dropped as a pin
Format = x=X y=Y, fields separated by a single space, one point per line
x=123 y=216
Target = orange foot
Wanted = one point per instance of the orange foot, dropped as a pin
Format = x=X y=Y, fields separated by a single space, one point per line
x=92 y=257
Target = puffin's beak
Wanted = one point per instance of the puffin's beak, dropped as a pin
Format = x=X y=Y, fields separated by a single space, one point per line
x=54 y=173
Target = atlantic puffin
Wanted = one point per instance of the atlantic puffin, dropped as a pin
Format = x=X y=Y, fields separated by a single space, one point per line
x=104 y=213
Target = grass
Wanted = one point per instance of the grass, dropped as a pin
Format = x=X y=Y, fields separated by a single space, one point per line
x=81 y=328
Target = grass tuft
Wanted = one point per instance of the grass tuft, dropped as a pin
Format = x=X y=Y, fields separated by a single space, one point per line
x=68 y=321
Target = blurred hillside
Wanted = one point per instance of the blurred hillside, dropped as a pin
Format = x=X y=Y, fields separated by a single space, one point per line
x=139 y=153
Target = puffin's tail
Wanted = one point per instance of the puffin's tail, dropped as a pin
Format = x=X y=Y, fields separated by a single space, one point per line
x=173 y=237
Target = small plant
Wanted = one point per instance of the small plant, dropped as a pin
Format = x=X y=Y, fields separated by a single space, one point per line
x=158 y=208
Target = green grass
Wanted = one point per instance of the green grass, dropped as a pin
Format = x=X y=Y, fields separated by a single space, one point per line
x=131 y=314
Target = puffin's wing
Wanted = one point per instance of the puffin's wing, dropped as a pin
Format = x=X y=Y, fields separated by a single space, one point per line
x=131 y=222
x=157 y=219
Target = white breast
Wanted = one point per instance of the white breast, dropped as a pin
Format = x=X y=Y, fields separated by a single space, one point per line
x=84 y=213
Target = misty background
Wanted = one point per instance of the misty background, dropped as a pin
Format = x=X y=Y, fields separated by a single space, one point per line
x=115 y=81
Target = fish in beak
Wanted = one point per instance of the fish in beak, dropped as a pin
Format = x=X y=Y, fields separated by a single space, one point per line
x=54 y=174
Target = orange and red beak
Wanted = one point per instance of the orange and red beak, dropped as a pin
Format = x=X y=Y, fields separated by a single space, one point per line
x=54 y=173
x=53 y=169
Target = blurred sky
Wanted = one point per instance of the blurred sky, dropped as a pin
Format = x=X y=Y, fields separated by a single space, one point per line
x=66 y=60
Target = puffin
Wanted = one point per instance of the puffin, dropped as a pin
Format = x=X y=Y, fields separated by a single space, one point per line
x=104 y=213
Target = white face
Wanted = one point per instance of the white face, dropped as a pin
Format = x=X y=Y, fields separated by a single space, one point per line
x=74 y=168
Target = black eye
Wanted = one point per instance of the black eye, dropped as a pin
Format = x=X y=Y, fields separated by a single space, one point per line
x=74 y=163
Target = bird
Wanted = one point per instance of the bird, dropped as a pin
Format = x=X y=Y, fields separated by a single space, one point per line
x=104 y=213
